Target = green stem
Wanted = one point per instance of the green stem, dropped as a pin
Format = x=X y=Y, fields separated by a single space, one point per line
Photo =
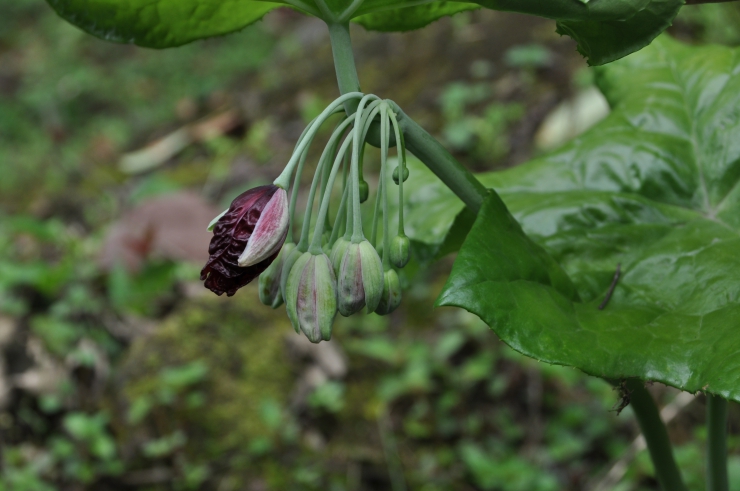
x=306 y=227
x=315 y=247
x=656 y=436
x=357 y=233
x=717 y=444
x=339 y=217
x=376 y=215
x=325 y=155
x=349 y=216
x=384 y=123
x=344 y=63
x=401 y=156
x=326 y=13
x=379 y=194
x=349 y=11
x=326 y=169
x=331 y=150
x=296 y=182
x=283 y=180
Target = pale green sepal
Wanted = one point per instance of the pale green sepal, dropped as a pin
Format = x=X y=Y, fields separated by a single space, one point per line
x=326 y=292
x=292 y=287
x=337 y=254
x=372 y=275
x=290 y=260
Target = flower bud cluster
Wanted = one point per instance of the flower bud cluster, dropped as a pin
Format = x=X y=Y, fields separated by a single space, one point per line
x=331 y=268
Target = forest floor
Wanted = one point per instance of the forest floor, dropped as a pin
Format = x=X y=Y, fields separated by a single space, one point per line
x=119 y=371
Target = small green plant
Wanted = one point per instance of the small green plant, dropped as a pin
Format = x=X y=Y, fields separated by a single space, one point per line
x=616 y=254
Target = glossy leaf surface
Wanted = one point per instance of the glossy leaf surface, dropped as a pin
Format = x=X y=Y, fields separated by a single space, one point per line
x=160 y=23
x=655 y=188
x=604 y=29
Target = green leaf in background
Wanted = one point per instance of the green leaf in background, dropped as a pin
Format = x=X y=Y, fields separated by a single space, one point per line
x=604 y=29
x=414 y=17
x=655 y=187
x=160 y=23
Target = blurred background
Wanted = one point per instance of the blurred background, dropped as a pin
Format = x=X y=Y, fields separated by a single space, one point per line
x=119 y=371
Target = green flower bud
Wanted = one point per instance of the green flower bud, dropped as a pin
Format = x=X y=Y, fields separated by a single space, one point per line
x=364 y=190
x=405 y=174
x=269 y=282
x=337 y=253
x=311 y=296
x=288 y=264
x=360 y=279
x=400 y=251
x=391 y=298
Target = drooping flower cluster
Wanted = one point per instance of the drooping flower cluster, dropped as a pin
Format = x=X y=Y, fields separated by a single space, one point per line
x=331 y=268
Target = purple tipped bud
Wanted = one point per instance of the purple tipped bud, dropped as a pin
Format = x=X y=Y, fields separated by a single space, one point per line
x=400 y=251
x=311 y=296
x=391 y=298
x=269 y=232
x=269 y=282
x=360 y=279
x=231 y=237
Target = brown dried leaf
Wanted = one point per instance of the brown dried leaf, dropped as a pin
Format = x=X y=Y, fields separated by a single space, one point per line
x=170 y=227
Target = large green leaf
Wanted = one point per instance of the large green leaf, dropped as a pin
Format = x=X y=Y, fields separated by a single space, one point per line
x=160 y=23
x=654 y=187
x=604 y=29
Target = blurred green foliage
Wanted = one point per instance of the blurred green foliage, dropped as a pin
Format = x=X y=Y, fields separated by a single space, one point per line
x=148 y=386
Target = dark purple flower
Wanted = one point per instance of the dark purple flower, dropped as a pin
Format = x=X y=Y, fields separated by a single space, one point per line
x=231 y=234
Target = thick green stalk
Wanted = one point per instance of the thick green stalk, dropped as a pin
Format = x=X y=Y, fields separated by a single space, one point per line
x=656 y=436
x=717 y=444
x=344 y=63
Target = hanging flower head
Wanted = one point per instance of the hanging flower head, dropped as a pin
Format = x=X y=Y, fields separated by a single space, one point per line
x=246 y=239
x=331 y=268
